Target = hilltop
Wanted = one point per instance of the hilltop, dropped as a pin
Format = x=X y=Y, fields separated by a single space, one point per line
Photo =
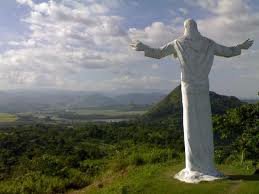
x=171 y=105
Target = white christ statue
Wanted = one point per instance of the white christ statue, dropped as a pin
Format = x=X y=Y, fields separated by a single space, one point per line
x=195 y=54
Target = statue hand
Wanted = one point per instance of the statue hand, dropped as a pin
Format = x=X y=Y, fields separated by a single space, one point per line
x=138 y=46
x=246 y=45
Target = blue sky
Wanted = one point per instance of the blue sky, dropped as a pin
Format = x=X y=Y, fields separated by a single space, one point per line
x=83 y=44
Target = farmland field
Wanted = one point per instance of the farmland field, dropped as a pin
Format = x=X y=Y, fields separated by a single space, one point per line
x=6 y=117
x=109 y=112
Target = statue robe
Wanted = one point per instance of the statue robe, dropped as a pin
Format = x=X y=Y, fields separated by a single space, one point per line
x=196 y=58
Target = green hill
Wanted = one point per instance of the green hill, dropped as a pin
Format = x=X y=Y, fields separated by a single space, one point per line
x=129 y=157
x=171 y=105
x=158 y=179
x=151 y=171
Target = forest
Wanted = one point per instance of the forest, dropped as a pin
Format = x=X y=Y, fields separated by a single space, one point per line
x=49 y=158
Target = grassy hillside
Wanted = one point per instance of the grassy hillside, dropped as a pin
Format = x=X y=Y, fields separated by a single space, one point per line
x=125 y=157
x=158 y=179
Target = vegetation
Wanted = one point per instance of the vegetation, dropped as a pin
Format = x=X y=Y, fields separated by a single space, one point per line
x=92 y=114
x=5 y=117
x=158 y=179
x=237 y=133
x=54 y=159
x=138 y=156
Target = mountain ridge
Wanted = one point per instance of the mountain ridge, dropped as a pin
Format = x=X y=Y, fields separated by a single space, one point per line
x=171 y=105
x=31 y=101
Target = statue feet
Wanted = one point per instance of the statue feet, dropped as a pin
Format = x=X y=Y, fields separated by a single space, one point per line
x=190 y=176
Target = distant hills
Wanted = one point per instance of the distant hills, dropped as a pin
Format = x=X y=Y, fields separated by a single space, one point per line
x=171 y=105
x=139 y=98
x=15 y=101
x=33 y=100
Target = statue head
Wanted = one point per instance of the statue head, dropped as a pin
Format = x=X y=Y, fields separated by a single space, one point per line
x=191 y=29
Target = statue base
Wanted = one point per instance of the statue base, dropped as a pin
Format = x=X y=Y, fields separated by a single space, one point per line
x=189 y=176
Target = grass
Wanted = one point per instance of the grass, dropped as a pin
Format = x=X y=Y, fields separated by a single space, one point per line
x=6 y=117
x=158 y=179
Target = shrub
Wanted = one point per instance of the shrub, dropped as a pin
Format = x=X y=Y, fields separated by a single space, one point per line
x=136 y=159
x=77 y=180
x=92 y=167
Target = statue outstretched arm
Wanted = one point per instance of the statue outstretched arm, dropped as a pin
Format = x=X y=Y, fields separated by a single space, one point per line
x=224 y=51
x=156 y=53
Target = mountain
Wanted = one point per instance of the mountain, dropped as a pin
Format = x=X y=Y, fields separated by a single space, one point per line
x=93 y=100
x=171 y=105
x=37 y=100
x=139 y=98
x=251 y=101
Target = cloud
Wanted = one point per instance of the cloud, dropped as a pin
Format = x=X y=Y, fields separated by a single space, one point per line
x=64 y=38
x=222 y=6
x=229 y=21
x=69 y=37
x=155 y=66
x=130 y=83
x=183 y=11
x=207 y=4
x=26 y=2
x=156 y=34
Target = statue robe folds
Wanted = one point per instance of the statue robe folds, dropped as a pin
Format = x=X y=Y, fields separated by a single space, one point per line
x=196 y=58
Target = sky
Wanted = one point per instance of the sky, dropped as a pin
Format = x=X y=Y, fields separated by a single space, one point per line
x=84 y=44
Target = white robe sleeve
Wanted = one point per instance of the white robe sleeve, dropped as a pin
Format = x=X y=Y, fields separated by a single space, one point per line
x=161 y=52
x=224 y=51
